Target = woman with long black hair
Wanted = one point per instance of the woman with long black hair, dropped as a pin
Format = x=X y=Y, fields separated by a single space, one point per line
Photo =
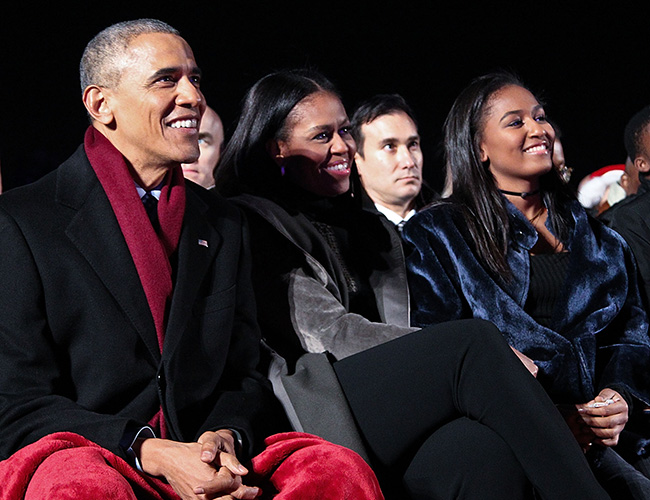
x=440 y=415
x=512 y=245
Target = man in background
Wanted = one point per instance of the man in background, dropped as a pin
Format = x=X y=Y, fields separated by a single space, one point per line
x=211 y=137
x=389 y=157
x=630 y=219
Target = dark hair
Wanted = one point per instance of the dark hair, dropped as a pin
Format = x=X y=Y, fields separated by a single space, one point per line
x=474 y=188
x=634 y=130
x=245 y=162
x=373 y=108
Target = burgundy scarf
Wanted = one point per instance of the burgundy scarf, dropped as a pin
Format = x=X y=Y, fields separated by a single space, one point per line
x=150 y=251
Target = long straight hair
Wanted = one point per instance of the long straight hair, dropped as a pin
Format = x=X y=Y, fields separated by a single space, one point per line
x=474 y=189
x=246 y=164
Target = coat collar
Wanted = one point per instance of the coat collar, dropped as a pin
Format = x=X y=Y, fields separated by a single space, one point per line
x=524 y=233
x=390 y=284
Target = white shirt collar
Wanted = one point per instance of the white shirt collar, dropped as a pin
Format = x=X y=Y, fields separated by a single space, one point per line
x=392 y=216
x=155 y=191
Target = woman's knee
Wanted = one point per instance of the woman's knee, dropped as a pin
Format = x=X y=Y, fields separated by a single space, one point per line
x=466 y=333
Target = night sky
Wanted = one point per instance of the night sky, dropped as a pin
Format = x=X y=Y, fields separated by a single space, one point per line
x=590 y=66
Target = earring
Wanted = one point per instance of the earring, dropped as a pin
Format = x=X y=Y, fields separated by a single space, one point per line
x=280 y=157
x=565 y=173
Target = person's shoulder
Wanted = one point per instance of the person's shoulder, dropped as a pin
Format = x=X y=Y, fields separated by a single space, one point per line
x=639 y=204
x=30 y=197
x=72 y=176
x=438 y=213
x=259 y=208
x=211 y=198
x=608 y=234
x=631 y=214
x=257 y=204
x=438 y=220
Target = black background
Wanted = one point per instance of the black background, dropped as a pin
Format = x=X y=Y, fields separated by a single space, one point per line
x=590 y=63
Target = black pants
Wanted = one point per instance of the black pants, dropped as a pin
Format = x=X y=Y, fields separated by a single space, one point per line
x=452 y=403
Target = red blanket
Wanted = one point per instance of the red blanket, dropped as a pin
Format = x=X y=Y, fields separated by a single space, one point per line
x=294 y=466
x=302 y=466
x=17 y=471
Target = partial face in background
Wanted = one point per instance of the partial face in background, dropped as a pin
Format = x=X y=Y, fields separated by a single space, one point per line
x=559 y=161
x=640 y=164
x=390 y=160
x=558 y=155
x=157 y=105
x=630 y=181
x=516 y=139
x=210 y=141
x=318 y=151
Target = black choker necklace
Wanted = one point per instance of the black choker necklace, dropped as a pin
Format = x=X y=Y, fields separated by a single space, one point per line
x=523 y=195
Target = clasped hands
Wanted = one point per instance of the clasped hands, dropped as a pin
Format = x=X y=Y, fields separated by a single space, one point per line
x=207 y=469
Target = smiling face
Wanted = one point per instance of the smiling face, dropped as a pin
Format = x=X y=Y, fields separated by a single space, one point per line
x=391 y=165
x=152 y=115
x=318 y=150
x=516 y=140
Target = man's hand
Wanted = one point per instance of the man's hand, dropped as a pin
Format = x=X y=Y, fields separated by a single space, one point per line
x=606 y=416
x=207 y=469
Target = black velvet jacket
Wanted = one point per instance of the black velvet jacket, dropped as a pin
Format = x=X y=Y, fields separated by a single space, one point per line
x=599 y=329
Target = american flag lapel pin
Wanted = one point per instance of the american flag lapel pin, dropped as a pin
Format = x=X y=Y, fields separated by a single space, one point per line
x=203 y=243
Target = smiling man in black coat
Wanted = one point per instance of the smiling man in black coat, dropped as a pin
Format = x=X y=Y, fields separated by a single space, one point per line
x=127 y=321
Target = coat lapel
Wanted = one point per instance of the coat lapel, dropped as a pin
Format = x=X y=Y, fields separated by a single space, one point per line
x=94 y=230
x=390 y=282
x=198 y=245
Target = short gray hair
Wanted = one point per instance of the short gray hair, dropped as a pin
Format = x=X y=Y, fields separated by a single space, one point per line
x=99 y=61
